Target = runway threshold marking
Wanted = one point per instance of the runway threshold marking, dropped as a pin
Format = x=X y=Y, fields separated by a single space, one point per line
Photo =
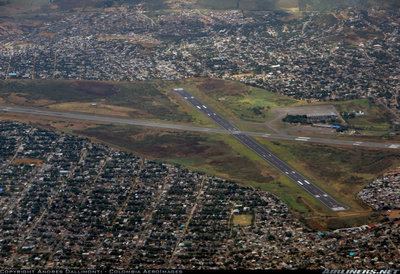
x=340 y=208
x=394 y=146
x=302 y=139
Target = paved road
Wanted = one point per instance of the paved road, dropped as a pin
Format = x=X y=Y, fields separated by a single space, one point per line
x=266 y=155
x=197 y=129
x=242 y=136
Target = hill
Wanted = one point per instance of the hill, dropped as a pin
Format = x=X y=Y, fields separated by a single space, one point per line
x=303 y=5
x=251 y=5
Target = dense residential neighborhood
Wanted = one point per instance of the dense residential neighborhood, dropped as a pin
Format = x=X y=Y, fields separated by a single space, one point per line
x=383 y=193
x=352 y=53
x=68 y=202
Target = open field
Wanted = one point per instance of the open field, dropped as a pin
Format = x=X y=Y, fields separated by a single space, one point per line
x=142 y=100
x=204 y=152
x=145 y=100
x=242 y=219
x=153 y=100
x=374 y=125
x=394 y=214
x=376 y=119
x=26 y=161
x=51 y=123
x=218 y=155
x=222 y=156
x=235 y=100
x=341 y=171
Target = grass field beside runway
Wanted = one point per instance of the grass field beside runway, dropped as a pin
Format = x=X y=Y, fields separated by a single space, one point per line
x=215 y=154
x=341 y=171
x=234 y=100
x=375 y=119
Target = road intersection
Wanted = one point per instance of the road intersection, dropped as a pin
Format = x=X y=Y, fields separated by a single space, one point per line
x=230 y=129
x=266 y=155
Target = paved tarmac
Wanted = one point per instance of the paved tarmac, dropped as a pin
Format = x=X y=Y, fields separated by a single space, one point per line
x=198 y=129
x=266 y=155
x=228 y=128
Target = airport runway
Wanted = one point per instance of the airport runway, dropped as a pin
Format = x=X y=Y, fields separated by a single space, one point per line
x=266 y=155
x=197 y=129
x=228 y=128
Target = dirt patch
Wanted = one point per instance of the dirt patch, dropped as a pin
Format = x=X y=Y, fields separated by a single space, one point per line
x=27 y=161
x=16 y=99
x=95 y=88
x=100 y=109
x=46 y=34
x=156 y=144
x=2 y=101
x=394 y=214
x=317 y=225
x=242 y=219
x=42 y=102
x=171 y=145
x=191 y=149
x=242 y=168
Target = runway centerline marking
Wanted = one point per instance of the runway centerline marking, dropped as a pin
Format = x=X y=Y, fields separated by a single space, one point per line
x=261 y=151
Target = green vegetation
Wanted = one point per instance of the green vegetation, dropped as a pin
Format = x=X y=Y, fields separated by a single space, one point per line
x=150 y=99
x=375 y=119
x=302 y=119
x=257 y=104
x=204 y=152
x=218 y=155
x=235 y=100
x=142 y=99
x=341 y=171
